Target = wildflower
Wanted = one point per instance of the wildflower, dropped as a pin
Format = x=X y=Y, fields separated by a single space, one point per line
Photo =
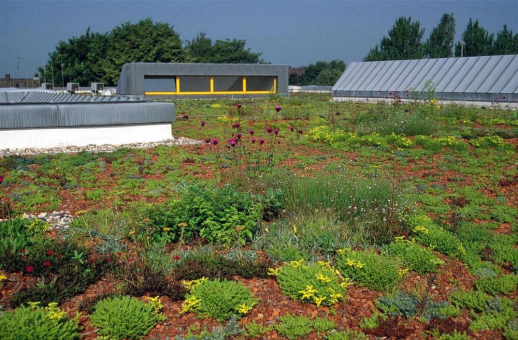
x=319 y=300
x=182 y=224
x=1 y=179
x=261 y=141
x=190 y=304
x=46 y=263
x=251 y=132
x=214 y=141
x=50 y=252
x=243 y=308
x=22 y=251
x=276 y=131
x=278 y=108
x=60 y=256
x=2 y=277
x=269 y=129
x=292 y=128
x=238 y=105
x=166 y=229
x=274 y=272
x=131 y=232
x=308 y=293
x=238 y=135
x=252 y=140
x=294 y=229
x=29 y=269
x=236 y=125
x=202 y=123
x=300 y=132
x=176 y=257
x=232 y=142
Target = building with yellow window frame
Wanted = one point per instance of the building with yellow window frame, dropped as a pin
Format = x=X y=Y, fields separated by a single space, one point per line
x=176 y=80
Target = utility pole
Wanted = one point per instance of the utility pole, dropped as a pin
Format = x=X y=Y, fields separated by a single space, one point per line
x=462 y=45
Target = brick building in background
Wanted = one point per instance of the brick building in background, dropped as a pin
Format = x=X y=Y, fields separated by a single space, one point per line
x=7 y=81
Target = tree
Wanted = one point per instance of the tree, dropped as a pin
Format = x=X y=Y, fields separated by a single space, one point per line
x=505 y=42
x=202 y=50
x=403 y=42
x=312 y=72
x=441 y=40
x=328 y=77
x=144 y=41
x=477 y=41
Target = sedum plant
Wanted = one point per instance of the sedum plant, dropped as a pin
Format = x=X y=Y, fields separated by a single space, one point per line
x=34 y=322
x=126 y=317
x=414 y=256
x=375 y=271
x=431 y=235
x=315 y=283
x=218 y=299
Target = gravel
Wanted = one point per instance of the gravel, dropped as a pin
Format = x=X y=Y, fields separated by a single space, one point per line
x=97 y=148
x=55 y=219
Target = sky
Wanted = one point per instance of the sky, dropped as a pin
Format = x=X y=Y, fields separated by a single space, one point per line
x=293 y=32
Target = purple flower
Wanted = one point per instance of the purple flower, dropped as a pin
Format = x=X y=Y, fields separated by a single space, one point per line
x=238 y=105
x=269 y=129
x=300 y=132
x=252 y=140
x=278 y=108
x=291 y=128
x=207 y=140
x=238 y=135
x=276 y=131
x=236 y=125
x=214 y=141
x=202 y=123
x=232 y=142
x=1 y=179
x=261 y=141
x=251 y=132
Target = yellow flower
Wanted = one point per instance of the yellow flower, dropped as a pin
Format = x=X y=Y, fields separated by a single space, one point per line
x=403 y=272
x=294 y=229
x=324 y=264
x=308 y=293
x=359 y=265
x=350 y=262
x=323 y=278
x=274 y=272
x=318 y=300
x=296 y=264
x=191 y=284
x=421 y=229
x=399 y=238
x=190 y=304
x=2 y=277
x=131 y=232
x=243 y=308
x=346 y=282
x=182 y=224
x=167 y=229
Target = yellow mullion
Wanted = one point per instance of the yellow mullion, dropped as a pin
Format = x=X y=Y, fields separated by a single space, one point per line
x=274 y=84
x=244 y=84
x=211 y=84
x=177 y=85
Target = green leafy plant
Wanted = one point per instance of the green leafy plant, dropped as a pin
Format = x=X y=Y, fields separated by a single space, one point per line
x=218 y=333
x=218 y=299
x=498 y=285
x=220 y=215
x=472 y=299
x=314 y=283
x=376 y=271
x=409 y=306
x=294 y=327
x=346 y=335
x=255 y=330
x=414 y=256
x=431 y=235
x=36 y=322
x=124 y=317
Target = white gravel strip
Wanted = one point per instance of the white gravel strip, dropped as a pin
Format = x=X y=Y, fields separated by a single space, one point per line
x=97 y=148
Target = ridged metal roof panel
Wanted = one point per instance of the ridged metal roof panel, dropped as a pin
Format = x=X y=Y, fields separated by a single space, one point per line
x=473 y=78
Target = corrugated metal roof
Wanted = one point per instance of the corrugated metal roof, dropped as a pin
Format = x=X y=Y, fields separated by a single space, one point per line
x=55 y=97
x=484 y=78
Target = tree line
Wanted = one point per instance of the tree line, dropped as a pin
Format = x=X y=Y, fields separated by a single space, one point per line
x=99 y=57
x=405 y=41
